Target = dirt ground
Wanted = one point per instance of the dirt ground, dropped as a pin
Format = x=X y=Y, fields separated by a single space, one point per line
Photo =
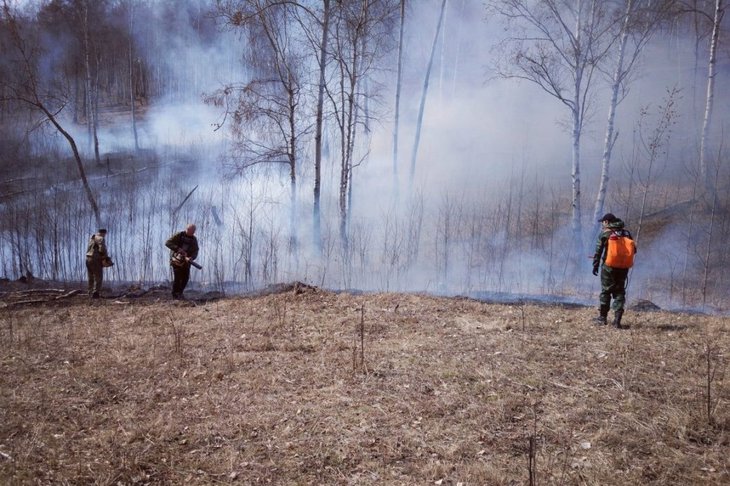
x=298 y=385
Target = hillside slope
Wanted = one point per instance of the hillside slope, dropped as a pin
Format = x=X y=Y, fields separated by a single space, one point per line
x=305 y=386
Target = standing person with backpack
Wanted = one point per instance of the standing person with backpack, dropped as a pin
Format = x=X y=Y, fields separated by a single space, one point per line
x=184 y=249
x=96 y=259
x=614 y=257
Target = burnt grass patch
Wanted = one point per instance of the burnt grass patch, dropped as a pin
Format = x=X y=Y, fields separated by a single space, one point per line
x=304 y=386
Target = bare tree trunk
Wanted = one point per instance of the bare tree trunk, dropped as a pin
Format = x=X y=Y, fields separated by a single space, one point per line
x=575 y=175
x=709 y=102
x=347 y=146
x=350 y=73
x=76 y=101
x=95 y=107
x=708 y=250
x=132 y=97
x=572 y=39
x=398 y=83
x=293 y=236
x=79 y=163
x=577 y=115
x=689 y=228
x=87 y=68
x=317 y=228
x=33 y=98
x=696 y=22
x=610 y=139
x=419 y=122
x=442 y=53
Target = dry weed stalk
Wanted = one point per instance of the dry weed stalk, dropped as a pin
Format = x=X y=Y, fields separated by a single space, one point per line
x=531 y=462
x=712 y=358
x=10 y=333
x=177 y=339
x=359 y=334
x=522 y=314
x=280 y=313
x=532 y=449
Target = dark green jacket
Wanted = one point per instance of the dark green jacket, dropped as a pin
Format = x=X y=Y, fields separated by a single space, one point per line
x=616 y=226
x=182 y=241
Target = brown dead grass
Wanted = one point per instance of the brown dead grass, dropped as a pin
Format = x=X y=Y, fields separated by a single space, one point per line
x=271 y=389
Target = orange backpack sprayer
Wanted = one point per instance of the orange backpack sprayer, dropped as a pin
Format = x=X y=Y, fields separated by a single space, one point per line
x=620 y=252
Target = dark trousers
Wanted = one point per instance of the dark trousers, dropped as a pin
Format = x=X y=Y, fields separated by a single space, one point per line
x=613 y=286
x=180 y=281
x=95 y=273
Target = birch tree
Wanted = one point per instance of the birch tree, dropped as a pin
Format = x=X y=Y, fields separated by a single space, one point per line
x=314 y=27
x=398 y=83
x=269 y=111
x=132 y=88
x=558 y=45
x=92 y=88
x=639 y=22
x=360 y=37
x=710 y=101
x=319 y=125
x=424 y=93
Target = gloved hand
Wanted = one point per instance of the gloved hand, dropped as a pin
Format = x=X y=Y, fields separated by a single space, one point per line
x=595 y=269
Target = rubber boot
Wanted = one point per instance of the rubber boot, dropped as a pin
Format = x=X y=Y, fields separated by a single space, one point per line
x=602 y=318
x=617 y=318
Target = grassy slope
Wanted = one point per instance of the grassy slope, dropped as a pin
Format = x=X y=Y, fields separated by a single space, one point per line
x=272 y=389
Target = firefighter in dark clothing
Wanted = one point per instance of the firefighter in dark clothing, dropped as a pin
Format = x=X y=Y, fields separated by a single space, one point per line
x=95 y=254
x=184 y=249
x=613 y=280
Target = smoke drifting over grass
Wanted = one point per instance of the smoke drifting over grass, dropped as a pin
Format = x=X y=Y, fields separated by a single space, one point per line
x=488 y=208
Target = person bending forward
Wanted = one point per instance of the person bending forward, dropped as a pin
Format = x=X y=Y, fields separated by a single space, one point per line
x=183 y=249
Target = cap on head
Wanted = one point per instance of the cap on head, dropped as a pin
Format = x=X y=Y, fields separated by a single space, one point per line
x=608 y=217
x=102 y=231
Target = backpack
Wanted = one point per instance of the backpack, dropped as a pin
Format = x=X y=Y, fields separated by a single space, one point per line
x=93 y=249
x=621 y=251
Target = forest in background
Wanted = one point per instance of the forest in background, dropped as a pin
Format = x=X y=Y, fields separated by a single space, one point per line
x=442 y=146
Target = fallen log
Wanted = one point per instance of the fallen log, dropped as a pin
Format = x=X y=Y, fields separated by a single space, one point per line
x=41 y=301
x=32 y=291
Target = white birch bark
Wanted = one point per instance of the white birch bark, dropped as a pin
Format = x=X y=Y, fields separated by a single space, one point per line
x=618 y=77
x=709 y=101
x=90 y=98
x=317 y=228
x=560 y=50
x=419 y=123
x=577 y=108
x=398 y=83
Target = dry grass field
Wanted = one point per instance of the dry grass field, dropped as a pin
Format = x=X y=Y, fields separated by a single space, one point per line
x=304 y=386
